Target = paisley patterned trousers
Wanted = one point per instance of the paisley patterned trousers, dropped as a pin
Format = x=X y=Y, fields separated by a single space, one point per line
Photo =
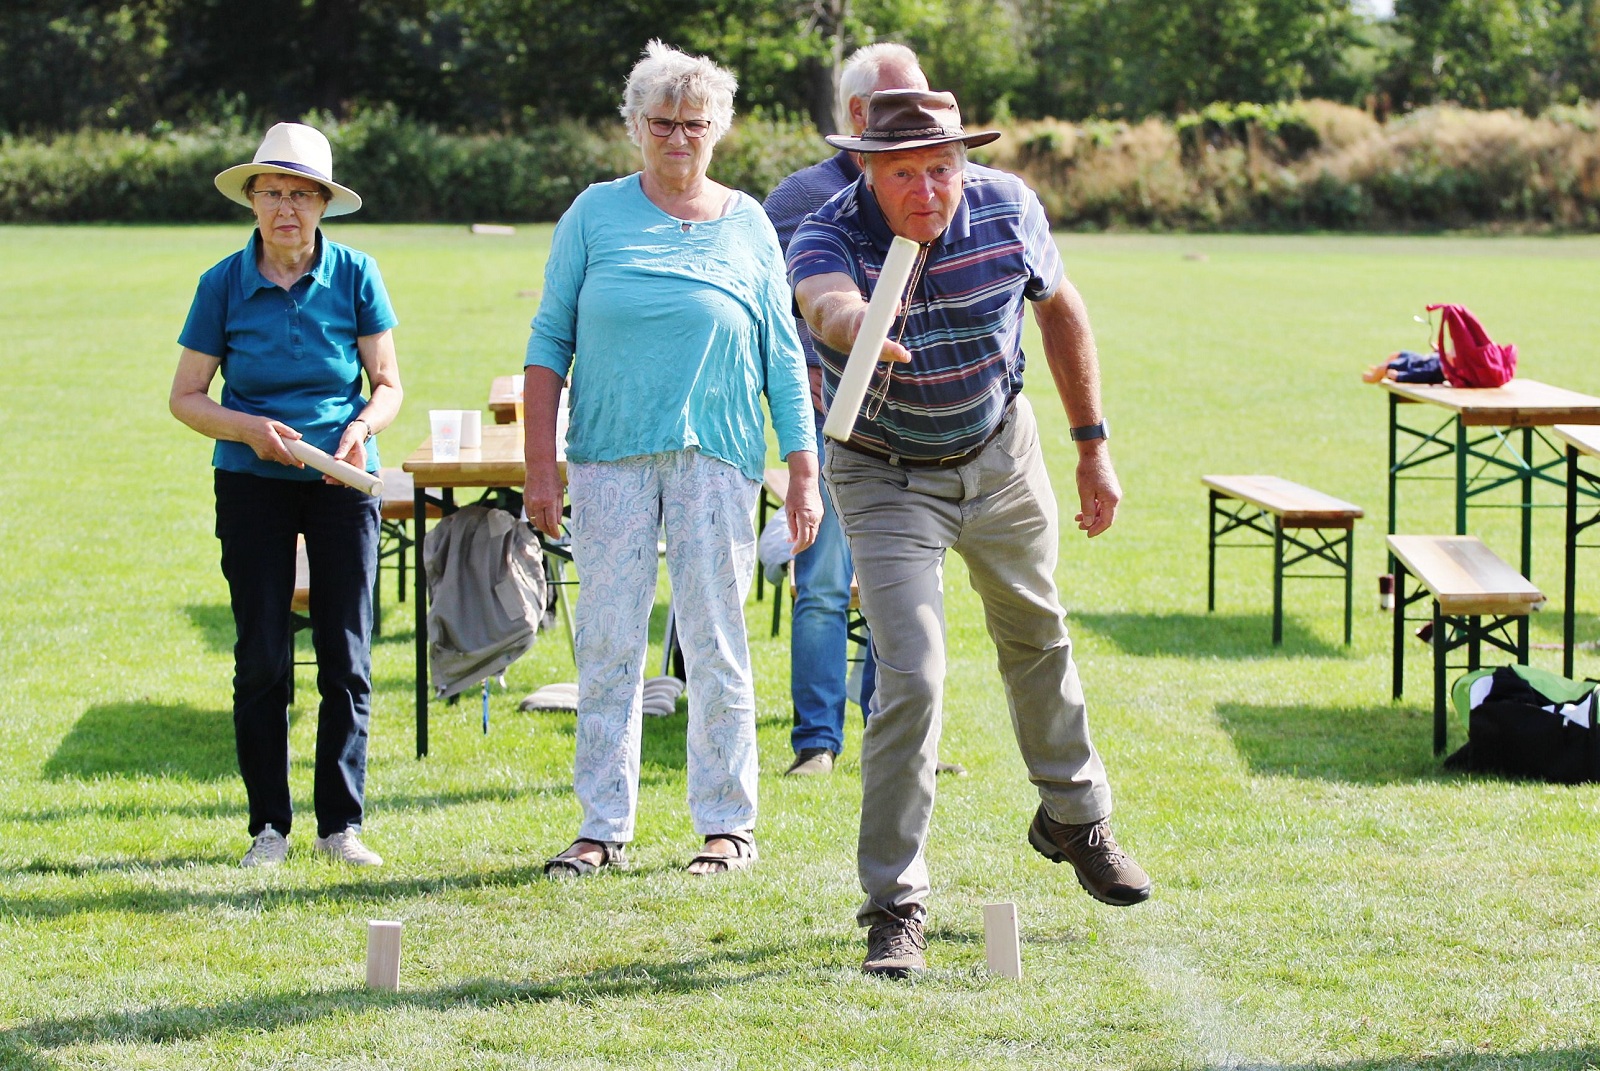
x=618 y=511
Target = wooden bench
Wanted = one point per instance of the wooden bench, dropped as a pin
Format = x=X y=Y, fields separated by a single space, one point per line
x=1281 y=511
x=397 y=508
x=1468 y=583
x=774 y=492
x=299 y=607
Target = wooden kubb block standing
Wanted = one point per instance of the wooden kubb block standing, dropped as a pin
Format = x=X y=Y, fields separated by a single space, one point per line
x=383 y=955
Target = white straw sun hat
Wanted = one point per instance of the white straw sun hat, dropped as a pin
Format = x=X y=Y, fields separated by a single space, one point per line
x=291 y=149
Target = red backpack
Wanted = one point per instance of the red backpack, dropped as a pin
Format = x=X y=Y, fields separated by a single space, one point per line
x=1478 y=361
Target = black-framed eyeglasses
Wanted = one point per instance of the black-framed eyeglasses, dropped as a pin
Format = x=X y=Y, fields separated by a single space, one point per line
x=692 y=128
x=300 y=199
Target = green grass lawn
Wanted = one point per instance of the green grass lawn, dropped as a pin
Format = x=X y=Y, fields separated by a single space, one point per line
x=1324 y=896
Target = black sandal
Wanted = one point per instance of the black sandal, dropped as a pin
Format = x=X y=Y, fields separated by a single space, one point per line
x=743 y=856
x=571 y=866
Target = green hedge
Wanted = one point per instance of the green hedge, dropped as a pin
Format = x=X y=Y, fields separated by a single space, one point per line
x=404 y=171
x=1309 y=164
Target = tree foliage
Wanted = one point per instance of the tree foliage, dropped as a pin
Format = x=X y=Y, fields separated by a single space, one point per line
x=503 y=64
x=1524 y=54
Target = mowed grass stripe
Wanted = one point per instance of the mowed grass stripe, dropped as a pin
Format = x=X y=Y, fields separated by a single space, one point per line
x=1324 y=895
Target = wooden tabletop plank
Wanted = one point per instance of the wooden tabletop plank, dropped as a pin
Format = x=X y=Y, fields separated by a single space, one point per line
x=498 y=463
x=1586 y=437
x=1521 y=403
x=1295 y=503
x=1464 y=575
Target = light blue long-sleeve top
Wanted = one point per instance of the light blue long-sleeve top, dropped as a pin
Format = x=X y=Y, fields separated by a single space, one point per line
x=671 y=331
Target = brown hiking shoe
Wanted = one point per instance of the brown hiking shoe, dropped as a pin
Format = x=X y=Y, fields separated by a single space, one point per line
x=811 y=762
x=1104 y=870
x=894 y=949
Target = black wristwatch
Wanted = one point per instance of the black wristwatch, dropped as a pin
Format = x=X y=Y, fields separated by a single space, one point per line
x=1090 y=431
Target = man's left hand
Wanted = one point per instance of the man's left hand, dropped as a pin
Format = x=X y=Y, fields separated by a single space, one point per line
x=1098 y=491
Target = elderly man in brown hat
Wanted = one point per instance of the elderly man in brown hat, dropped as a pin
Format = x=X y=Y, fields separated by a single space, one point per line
x=945 y=455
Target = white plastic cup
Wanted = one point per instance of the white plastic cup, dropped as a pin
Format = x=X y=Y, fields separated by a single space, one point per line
x=471 y=429
x=446 y=434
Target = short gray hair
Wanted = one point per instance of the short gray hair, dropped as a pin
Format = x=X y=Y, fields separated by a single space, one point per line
x=667 y=78
x=861 y=72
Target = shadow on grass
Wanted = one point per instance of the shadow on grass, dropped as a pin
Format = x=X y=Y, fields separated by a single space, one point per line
x=254 y=893
x=378 y=802
x=663 y=744
x=214 y=621
x=1366 y=745
x=30 y=1046
x=147 y=739
x=1205 y=635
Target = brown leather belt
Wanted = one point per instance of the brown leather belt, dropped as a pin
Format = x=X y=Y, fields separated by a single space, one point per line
x=949 y=462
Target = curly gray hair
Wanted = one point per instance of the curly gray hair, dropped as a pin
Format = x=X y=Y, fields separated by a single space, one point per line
x=668 y=79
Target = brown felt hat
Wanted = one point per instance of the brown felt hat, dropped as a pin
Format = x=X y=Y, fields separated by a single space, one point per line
x=902 y=119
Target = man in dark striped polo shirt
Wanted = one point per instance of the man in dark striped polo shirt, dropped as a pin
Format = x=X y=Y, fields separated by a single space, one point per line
x=945 y=455
x=818 y=628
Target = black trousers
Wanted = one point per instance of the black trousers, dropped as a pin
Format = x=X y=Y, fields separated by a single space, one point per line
x=257 y=521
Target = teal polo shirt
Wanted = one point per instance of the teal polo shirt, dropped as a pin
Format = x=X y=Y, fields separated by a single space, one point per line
x=289 y=354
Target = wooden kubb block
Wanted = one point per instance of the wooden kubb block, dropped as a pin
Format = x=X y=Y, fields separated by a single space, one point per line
x=383 y=955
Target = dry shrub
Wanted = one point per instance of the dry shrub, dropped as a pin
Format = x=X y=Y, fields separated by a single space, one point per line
x=1338 y=125
x=1232 y=166
x=1100 y=174
x=1447 y=166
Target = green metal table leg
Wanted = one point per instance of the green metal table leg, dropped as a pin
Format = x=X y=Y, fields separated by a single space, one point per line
x=1277 y=582
x=1399 y=658
x=1349 y=579
x=1211 y=555
x=1527 y=503
x=420 y=613
x=1569 y=617
x=1441 y=648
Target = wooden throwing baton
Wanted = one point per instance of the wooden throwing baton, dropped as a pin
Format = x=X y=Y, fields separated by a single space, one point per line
x=344 y=472
x=858 y=369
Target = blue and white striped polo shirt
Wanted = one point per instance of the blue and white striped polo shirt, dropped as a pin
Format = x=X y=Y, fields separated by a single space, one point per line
x=964 y=326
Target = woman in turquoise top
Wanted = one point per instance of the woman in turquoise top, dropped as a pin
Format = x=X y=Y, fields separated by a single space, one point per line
x=665 y=301
x=293 y=322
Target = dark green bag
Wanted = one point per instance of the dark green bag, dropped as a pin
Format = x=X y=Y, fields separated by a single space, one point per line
x=1528 y=723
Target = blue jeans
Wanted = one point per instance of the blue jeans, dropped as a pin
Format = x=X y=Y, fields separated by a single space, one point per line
x=257 y=521
x=817 y=642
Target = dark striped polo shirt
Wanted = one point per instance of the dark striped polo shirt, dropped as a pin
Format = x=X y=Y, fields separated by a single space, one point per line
x=795 y=198
x=964 y=322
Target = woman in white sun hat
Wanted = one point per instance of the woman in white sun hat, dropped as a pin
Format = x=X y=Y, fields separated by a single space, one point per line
x=293 y=321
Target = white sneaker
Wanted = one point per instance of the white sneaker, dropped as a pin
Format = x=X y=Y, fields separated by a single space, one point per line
x=270 y=848
x=346 y=847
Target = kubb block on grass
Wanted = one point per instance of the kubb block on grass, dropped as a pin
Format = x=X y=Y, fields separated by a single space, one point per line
x=383 y=955
x=1001 y=945
x=1281 y=510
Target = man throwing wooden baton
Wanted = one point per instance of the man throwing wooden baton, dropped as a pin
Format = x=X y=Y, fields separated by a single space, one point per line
x=945 y=455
